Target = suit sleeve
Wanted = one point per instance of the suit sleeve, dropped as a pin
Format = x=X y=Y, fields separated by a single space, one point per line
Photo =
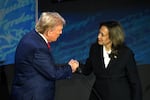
x=44 y=64
x=133 y=76
x=86 y=68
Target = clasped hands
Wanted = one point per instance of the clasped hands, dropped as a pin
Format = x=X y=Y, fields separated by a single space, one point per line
x=74 y=64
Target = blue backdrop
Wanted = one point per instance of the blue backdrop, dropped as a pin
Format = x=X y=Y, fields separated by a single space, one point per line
x=82 y=30
x=17 y=17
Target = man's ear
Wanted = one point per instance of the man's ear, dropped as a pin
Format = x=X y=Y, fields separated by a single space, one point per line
x=49 y=32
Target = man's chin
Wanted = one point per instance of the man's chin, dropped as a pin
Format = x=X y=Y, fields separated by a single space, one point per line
x=54 y=40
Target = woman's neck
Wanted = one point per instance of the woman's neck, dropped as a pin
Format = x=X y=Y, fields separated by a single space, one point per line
x=108 y=47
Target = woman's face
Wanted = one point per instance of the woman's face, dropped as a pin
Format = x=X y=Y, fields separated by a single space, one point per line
x=103 y=36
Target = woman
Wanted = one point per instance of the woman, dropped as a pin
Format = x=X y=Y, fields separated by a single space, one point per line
x=114 y=66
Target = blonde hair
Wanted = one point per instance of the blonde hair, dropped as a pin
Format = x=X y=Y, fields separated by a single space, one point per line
x=49 y=20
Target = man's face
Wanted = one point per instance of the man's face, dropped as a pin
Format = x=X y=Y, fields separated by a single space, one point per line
x=54 y=33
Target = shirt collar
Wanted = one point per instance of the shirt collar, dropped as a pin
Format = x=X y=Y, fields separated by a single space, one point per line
x=106 y=53
x=43 y=37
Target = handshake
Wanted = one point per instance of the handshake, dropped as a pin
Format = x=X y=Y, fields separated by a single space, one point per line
x=74 y=64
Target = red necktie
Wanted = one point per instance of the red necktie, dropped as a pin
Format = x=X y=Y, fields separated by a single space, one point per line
x=48 y=45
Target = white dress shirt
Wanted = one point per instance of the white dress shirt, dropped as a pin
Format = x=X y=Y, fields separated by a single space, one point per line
x=43 y=37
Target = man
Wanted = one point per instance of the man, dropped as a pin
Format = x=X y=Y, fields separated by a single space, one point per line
x=35 y=70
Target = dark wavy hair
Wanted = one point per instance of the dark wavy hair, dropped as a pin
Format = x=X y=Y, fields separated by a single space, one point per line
x=116 y=34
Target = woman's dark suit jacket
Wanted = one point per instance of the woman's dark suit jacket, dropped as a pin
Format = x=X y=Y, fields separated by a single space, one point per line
x=35 y=70
x=119 y=81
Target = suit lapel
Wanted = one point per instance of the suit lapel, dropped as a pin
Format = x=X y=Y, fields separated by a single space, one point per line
x=112 y=63
x=100 y=57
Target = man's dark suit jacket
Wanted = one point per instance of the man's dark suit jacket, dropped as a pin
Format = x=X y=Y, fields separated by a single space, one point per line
x=119 y=81
x=35 y=70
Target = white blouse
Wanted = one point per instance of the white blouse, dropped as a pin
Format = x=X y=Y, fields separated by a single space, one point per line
x=106 y=56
